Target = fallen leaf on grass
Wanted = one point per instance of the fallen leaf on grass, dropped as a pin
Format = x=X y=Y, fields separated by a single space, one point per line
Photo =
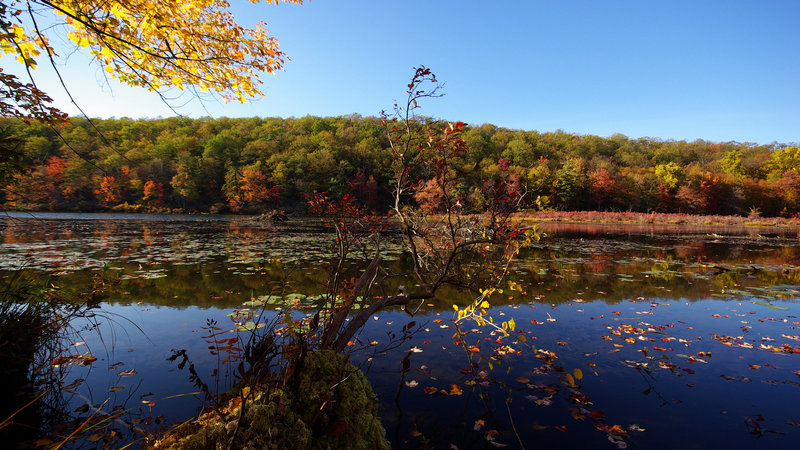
x=95 y=437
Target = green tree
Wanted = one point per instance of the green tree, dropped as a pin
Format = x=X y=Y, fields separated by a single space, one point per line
x=670 y=174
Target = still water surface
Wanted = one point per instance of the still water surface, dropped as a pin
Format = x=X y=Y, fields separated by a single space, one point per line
x=684 y=337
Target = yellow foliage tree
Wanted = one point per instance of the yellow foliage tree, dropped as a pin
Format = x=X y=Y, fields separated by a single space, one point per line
x=155 y=44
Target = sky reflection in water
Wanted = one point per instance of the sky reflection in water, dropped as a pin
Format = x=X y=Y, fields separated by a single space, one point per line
x=595 y=296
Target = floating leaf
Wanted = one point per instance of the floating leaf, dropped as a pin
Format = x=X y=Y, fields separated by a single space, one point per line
x=771 y=306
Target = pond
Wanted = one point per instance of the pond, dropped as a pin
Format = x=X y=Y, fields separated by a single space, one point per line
x=626 y=335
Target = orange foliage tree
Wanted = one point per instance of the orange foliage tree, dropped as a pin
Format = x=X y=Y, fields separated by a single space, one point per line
x=109 y=191
x=153 y=193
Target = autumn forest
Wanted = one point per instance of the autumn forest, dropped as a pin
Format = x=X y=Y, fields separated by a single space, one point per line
x=252 y=165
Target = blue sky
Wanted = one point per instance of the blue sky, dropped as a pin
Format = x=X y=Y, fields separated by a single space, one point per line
x=716 y=70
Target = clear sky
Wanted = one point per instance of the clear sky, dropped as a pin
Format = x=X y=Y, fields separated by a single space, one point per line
x=716 y=70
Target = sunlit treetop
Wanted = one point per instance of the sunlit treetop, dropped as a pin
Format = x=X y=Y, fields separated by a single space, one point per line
x=156 y=44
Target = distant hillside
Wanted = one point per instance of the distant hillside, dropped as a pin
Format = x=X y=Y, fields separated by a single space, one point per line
x=254 y=164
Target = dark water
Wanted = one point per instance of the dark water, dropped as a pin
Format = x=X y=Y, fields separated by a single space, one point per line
x=684 y=337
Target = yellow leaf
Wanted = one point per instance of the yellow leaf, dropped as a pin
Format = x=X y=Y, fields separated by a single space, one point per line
x=578 y=373
x=570 y=380
x=512 y=324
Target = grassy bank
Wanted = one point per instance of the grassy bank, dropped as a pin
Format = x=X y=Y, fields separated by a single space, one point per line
x=656 y=218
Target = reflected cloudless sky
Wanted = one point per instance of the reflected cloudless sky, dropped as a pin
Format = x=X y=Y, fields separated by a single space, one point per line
x=716 y=70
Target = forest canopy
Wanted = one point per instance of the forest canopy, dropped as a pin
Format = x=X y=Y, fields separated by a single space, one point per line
x=255 y=164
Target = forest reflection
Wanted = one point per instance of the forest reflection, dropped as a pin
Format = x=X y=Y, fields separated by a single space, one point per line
x=221 y=263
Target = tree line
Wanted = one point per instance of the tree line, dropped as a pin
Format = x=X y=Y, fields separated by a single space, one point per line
x=249 y=165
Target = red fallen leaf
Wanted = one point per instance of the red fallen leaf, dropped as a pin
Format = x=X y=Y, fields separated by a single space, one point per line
x=350 y=343
x=561 y=343
x=655 y=347
x=61 y=360
x=474 y=349
x=616 y=313
x=715 y=315
x=754 y=366
x=797 y=372
x=430 y=390
x=580 y=399
x=439 y=321
x=426 y=342
x=597 y=415
x=561 y=428
x=591 y=364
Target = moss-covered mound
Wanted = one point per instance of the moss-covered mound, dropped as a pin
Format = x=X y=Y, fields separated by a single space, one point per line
x=329 y=404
